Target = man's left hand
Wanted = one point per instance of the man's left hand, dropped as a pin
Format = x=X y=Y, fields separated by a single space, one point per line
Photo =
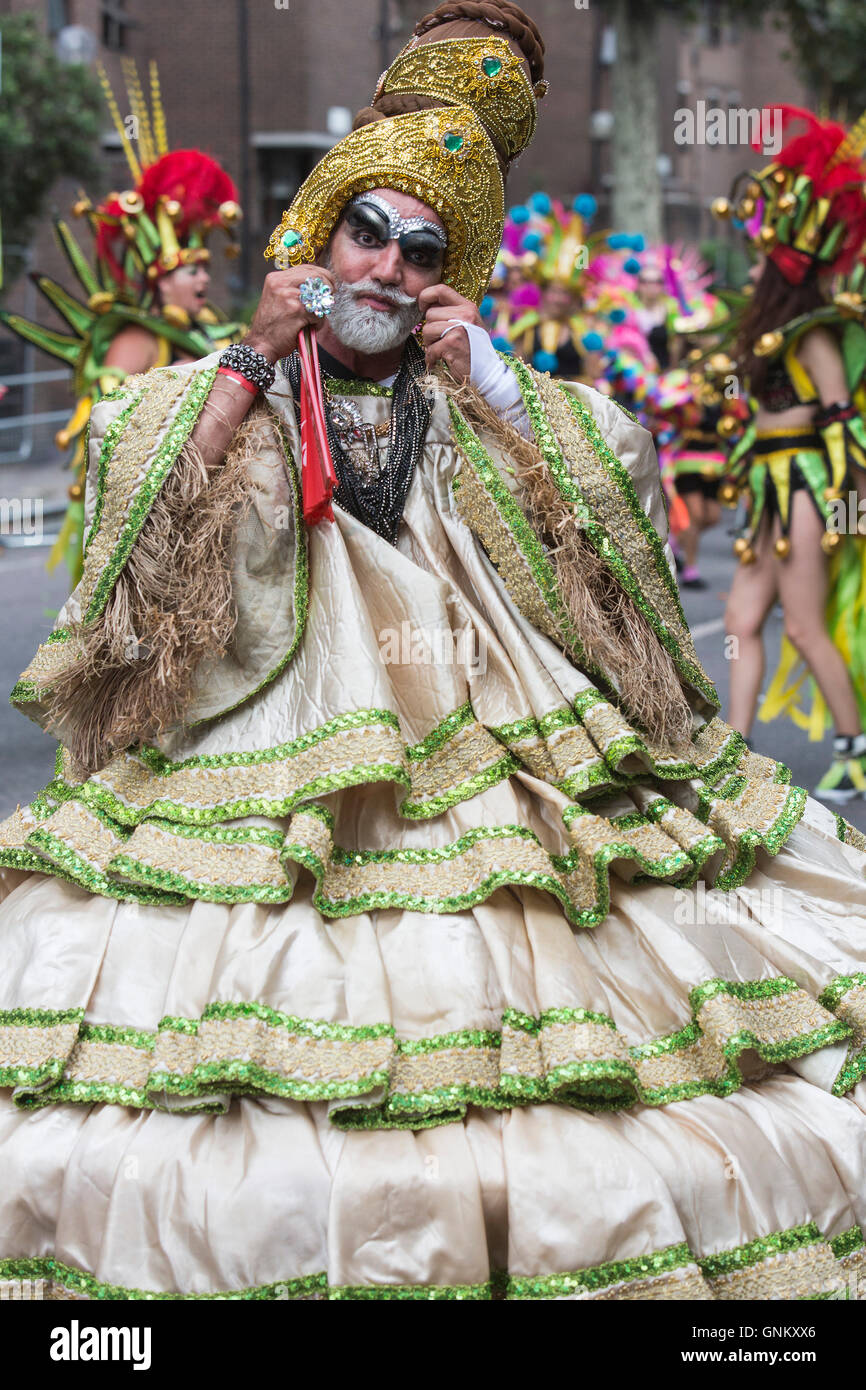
x=440 y=304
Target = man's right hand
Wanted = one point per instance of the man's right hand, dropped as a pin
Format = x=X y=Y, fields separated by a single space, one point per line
x=280 y=316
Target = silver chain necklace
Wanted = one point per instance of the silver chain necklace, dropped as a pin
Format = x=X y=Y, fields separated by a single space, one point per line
x=359 y=437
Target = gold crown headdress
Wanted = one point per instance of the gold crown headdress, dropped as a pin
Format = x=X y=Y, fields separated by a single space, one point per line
x=483 y=73
x=442 y=156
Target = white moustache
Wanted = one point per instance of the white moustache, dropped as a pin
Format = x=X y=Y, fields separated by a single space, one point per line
x=391 y=296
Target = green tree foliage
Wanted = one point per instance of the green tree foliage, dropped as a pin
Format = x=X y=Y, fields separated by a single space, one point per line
x=828 y=43
x=50 y=119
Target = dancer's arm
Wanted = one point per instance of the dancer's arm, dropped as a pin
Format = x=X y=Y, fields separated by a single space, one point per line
x=274 y=332
x=819 y=353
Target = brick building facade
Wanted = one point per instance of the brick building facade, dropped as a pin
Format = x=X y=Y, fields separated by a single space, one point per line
x=266 y=85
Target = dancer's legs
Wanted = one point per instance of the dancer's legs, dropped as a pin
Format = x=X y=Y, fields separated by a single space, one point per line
x=752 y=594
x=803 y=595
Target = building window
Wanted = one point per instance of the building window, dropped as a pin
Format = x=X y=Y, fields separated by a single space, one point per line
x=115 y=23
x=712 y=23
x=57 y=15
x=284 y=161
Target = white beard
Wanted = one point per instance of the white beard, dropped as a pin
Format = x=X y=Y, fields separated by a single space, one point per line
x=371 y=330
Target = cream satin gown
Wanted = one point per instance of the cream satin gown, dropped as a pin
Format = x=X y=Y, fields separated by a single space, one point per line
x=422 y=1050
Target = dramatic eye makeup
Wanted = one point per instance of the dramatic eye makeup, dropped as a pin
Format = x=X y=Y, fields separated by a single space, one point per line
x=371 y=221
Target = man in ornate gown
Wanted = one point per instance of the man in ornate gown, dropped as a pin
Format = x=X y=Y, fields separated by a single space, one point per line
x=334 y=969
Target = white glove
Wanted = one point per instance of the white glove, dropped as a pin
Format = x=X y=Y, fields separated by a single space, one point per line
x=493 y=378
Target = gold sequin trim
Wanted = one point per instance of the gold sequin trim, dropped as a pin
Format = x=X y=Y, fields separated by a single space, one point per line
x=609 y=506
x=794 y=1274
x=129 y=465
x=133 y=784
x=49 y=660
x=677 y=1285
x=481 y=514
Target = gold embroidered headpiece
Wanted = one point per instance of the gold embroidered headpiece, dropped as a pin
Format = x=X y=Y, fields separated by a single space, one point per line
x=442 y=156
x=483 y=73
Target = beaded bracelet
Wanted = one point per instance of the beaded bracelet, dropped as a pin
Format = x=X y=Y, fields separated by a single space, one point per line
x=251 y=364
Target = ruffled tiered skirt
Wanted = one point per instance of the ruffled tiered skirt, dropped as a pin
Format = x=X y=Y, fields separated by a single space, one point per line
x=412 y=980
x=257 y=1100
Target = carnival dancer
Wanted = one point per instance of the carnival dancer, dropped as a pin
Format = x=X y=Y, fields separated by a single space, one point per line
x=556 y=334
x=797 y=350
x=699 y=416
x=654 y=310
x=144 y=299
x=378 y=971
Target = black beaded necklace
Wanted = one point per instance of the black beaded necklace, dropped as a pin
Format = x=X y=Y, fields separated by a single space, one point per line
x=379 y=502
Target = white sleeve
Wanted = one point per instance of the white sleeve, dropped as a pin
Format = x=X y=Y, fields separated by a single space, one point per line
x=494 y=378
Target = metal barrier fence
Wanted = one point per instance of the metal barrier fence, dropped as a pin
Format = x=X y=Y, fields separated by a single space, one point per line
x=32 y=410
x=30 y=462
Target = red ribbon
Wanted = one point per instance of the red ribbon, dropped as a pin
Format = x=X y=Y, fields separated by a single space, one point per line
x=318 y=478
x=792 y=263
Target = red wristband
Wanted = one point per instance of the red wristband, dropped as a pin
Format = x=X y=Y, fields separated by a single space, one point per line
x=241 y=380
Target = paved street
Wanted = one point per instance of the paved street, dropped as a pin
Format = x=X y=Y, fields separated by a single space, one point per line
x=30 y=595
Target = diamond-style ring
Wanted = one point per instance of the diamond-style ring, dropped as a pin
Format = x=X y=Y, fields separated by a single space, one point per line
x=316 y=296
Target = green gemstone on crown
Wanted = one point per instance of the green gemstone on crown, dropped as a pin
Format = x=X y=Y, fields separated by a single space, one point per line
x=491 y=66
x=290 y=238
x=453 y=141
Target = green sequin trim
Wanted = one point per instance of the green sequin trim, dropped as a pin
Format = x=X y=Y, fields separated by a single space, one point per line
x=602 y=1276
x=166 y=455
x=168 y=886
x=356 y=386
x=109 y=443
x=129 y=879
x=437 y=739
x=99 y=797
x=77 y=870
x=604 y=774
x=359 y=718
x=526 y=1023
x=849 y=834
x=498 y=772
x=50 y=1069
x=846 y=1243
x=678 y=862
x=854 y=1067
x=589 y=1083
x=569 y=487
x=770 y=840
x=79 y=1282
x=640 y=1269
x=830 y=997
x=39 y=1018
x=461 y=718
x=529 y=546
x=780 y=1243
x=363 y=1293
